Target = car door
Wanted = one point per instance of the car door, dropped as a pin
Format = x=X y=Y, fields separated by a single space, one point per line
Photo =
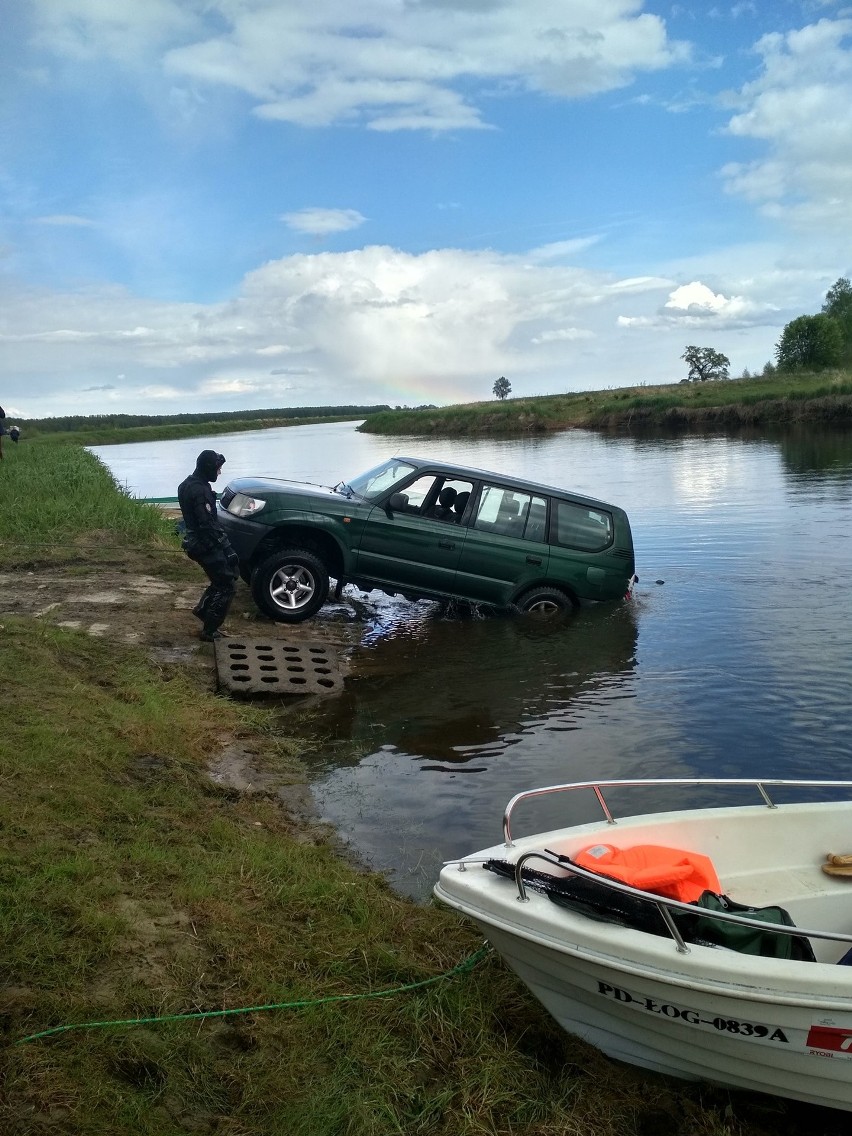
x=506 y=545
x=416 y=546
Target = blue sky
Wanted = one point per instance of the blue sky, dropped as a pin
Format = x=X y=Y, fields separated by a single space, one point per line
x=225 y=204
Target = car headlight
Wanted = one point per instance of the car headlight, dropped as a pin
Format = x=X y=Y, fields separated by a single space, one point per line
x=241 y=505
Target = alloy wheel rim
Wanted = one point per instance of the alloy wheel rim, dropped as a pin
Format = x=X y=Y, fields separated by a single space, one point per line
x=292 y=586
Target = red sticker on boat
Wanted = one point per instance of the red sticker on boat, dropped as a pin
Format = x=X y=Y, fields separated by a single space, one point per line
x=830 y=1037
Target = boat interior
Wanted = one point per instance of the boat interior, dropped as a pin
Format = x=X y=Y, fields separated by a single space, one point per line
x=763 y=856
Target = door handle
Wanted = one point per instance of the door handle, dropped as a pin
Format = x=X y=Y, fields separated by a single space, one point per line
x=533 y=560
x=446 y=544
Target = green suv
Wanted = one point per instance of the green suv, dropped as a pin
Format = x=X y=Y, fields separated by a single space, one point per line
x=426 y=530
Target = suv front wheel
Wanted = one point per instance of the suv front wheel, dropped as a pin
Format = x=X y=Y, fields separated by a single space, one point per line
x=290 y=586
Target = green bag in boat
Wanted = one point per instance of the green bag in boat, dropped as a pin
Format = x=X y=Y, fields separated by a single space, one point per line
x=747 y=940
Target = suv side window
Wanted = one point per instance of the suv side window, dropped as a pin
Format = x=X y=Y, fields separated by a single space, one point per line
x=509 y=512
x=577 y=526
x=418 y=491
x=440 y=498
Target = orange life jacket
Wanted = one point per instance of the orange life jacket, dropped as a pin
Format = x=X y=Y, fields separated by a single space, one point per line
x=653 y=867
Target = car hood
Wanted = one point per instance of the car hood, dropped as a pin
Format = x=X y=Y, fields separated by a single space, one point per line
x=268 y=487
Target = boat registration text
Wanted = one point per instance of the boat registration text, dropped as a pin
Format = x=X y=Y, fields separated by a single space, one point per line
x=693 y=1017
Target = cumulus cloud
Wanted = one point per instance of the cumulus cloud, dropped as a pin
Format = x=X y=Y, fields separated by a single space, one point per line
x=800 y=107
x=371 y=325
x=319 y=222
x=371 y=319
x=411 y=65
x=696 y=305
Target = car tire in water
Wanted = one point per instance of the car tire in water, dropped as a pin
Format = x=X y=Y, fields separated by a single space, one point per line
x=544 y=604
x=290 y=586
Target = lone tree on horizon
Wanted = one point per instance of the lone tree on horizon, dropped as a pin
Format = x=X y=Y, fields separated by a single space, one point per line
x=705 y=363
x=501 y=387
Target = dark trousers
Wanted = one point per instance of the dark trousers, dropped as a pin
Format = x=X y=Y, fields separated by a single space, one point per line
x=222 y=571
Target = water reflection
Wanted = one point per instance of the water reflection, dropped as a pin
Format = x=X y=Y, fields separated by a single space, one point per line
x=812 y=450
x=457 y=691
x=737 y=665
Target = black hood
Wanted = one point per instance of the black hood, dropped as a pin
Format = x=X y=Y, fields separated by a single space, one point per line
x=208 y=463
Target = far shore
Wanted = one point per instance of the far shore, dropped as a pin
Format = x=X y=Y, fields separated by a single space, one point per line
x=771 y=400
x=724 y=404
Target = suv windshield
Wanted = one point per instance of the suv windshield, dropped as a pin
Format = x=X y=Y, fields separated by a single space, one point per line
x=377 y=481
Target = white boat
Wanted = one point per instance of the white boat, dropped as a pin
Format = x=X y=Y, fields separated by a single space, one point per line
x=656 y=1000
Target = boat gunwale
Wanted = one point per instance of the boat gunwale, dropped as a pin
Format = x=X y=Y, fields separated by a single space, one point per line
x=597 y=785
x=663 y=903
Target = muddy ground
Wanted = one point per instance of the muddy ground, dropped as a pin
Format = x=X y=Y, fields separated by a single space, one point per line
x=138 y=605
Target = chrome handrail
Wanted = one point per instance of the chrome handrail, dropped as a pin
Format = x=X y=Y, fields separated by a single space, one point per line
x=597 y=787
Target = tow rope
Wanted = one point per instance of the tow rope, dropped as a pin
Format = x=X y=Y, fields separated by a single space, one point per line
x=466 y=965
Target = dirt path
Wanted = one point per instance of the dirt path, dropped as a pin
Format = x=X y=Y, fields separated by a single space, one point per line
x=138 y=607
x=122 y=605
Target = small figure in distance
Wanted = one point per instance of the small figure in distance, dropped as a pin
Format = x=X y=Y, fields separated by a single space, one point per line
x=206 y=542
x=14 y=433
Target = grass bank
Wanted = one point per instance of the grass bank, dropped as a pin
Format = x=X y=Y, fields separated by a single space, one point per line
x=133 y=886
x=164 y=432
x=823 y=397
x=60 y=505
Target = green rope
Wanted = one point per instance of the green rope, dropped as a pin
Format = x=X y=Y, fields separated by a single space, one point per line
x=468 y=964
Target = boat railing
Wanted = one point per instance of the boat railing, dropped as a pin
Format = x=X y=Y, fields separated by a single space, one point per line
x=665 y=905
x=762 y=785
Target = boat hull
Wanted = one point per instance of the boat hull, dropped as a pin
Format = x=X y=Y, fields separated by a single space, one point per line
x=686 y=1033
x=780 y=1026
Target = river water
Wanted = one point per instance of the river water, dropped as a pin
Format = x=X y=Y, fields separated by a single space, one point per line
x=734 y=658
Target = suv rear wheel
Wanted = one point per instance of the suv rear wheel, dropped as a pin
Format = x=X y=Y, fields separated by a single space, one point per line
x=290 y=586
x=544 y=603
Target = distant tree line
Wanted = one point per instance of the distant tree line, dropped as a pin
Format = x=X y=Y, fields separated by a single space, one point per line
x=812 y=343
x=807 y=343
x=124 y=421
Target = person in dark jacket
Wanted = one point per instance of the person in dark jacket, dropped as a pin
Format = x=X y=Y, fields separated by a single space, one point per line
x=206 y=542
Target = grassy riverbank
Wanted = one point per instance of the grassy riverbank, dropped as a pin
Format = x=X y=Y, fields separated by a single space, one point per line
x=164 y=431
x=134 y=886
x=735 y=402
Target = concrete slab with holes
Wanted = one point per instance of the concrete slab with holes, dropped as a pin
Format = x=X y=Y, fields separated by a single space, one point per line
x=275 y=666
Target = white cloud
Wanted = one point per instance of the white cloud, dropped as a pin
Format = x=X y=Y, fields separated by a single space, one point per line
x=564 y=335
x=411 y=64
x=562 y=250
x=123 y=30
x=801 y=108
x=322 y=222
x=372 y=324
x=696 y=305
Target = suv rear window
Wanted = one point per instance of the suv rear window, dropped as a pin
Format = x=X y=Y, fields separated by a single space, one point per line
x=577 y=526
